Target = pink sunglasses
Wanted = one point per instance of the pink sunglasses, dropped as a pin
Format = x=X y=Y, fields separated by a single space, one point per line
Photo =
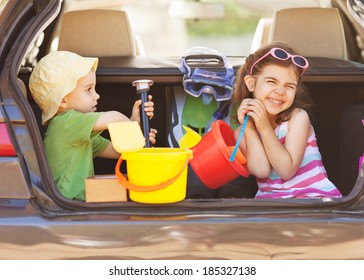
x=281 y=54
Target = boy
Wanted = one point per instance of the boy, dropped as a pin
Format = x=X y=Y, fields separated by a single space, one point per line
x=63 y=85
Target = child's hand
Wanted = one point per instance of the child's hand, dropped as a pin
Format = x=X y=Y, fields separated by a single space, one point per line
x=149 y=109
x=242 y=111
x=256 y=111
x=152 y=135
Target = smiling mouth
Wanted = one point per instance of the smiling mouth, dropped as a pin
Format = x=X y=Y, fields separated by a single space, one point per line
x=275 y=101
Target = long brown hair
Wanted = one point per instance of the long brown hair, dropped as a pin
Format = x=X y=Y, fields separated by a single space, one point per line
x=302 y=99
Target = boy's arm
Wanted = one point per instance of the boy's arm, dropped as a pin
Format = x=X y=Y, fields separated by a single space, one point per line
x=115 y=116
x=109 y=152
x=109 y=117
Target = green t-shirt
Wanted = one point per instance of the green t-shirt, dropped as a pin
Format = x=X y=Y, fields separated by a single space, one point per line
x=71 y=145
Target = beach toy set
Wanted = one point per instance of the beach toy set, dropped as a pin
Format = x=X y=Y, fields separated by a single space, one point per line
x=159 y=175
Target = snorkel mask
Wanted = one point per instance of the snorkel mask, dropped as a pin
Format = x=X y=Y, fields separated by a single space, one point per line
x=218 y=81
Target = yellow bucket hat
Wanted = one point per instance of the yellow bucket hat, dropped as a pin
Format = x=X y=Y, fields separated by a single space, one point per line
x=55 y=76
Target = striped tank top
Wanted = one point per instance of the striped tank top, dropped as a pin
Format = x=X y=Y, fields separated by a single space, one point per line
x=310 y=180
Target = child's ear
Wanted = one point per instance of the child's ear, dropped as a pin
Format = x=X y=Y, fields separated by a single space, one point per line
x=249 y=82
x=63 y=103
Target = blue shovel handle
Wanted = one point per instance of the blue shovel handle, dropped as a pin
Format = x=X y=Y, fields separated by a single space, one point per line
x=233 y=154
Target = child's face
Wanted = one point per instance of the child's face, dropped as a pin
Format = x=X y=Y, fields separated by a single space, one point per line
x=276 y=87
x=84 y=97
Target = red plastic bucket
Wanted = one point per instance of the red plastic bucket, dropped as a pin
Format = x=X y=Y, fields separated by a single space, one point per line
x=211 y=157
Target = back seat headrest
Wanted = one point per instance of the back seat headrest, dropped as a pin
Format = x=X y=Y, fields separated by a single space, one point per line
x=97 y=33
x=311 y=31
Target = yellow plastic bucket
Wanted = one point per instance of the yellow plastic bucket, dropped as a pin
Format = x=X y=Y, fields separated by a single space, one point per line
x=155 y=175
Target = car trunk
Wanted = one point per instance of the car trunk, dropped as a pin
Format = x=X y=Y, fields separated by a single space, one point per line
x=336 y=87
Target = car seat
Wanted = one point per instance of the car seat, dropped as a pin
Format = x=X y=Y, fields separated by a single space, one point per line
x=101 y=33
x=316 y=32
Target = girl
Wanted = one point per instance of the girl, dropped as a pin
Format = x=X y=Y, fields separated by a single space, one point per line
x=279 y=140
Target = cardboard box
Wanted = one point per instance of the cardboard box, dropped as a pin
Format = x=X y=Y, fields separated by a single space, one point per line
x=104 y=188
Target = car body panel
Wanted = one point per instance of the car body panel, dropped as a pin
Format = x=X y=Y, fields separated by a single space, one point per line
x=304 y=235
